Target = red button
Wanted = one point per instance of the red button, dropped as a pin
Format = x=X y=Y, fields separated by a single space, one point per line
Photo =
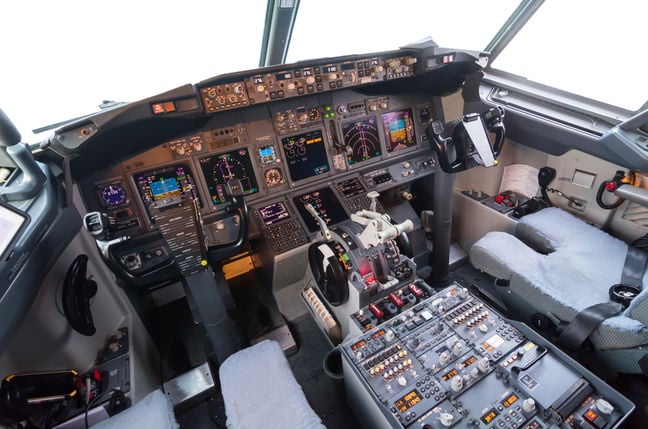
x=499 y=199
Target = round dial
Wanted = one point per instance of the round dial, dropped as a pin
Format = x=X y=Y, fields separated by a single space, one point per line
x=361 y=140
x=273 y=177
x=314 y=114
x=113 y=195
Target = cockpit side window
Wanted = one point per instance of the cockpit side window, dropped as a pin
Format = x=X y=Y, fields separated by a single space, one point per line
x=583 y=53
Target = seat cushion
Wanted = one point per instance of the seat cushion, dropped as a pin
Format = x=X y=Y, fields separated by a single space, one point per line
x=571 y=266
x=155 y=411
x=260 y=391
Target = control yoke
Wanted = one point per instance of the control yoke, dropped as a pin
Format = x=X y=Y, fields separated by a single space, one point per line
x=32 y=175
x=234 y=190
x=98 y=225
x=467 y=144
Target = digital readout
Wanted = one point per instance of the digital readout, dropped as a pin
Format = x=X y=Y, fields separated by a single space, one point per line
x=274 y=213
x=358 y=345
x=350 y=188
x=283 y=76
x=378 y=334
x=510 y=400
x=489 y=416
x=408 y=401
x=448 y=375
x=469 y=361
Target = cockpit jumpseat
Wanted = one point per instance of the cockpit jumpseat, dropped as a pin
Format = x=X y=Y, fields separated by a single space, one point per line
x=260 y=391
x=558 y=265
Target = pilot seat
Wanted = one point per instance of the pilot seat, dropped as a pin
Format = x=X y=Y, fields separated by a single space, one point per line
x=558 y=270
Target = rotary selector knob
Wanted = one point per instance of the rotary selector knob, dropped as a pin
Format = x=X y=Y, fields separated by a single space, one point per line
x=463 y=293
x=291 y=86
x=237 y=89
x=458 y=348
x=456 y=384
x=359 y=355
x=604 y=406
x=390 y=335
x=303 y=117
x=197 y=146
x=483 y=328
x=260 y=88
x=446 y=419
x=402 y=380
x=310 y=80
x=529 y=405
x=444 y=357
x=483 y=365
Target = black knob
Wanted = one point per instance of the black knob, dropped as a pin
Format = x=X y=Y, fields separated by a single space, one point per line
x=9 y=134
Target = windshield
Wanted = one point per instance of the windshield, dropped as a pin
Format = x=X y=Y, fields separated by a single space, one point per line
x=595 y=49
x=361 y=26
x=62 y=60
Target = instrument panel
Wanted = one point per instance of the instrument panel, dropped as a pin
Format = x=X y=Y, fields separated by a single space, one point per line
x=328 y=151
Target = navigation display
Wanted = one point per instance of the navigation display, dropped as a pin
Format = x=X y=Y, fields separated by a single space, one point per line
x=273 y=213
x=399 y=130
x=165 y=187
x=218 y=169
x=305 y=155
x=325 y=204
x=10 y=223
x=361 y=140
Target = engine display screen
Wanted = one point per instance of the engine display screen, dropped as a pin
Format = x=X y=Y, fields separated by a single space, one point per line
x=325 y=204
x=305 y=155
x=165 y=187
x=274 y=213
x=361 y=140
x=399 y=130
x=218 y=169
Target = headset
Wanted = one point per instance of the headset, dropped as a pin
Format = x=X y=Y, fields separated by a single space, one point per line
x=328 y=272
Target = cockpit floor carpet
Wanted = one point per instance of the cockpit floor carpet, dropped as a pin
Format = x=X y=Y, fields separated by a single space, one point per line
x=257 y=308
x=325 y=395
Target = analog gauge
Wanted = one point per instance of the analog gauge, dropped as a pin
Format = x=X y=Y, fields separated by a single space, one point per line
x=113 y=195
x=314 y=114
x=273 y=177
x=361 y=140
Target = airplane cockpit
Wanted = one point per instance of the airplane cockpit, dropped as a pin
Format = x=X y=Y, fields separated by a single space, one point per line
x=415 y=236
